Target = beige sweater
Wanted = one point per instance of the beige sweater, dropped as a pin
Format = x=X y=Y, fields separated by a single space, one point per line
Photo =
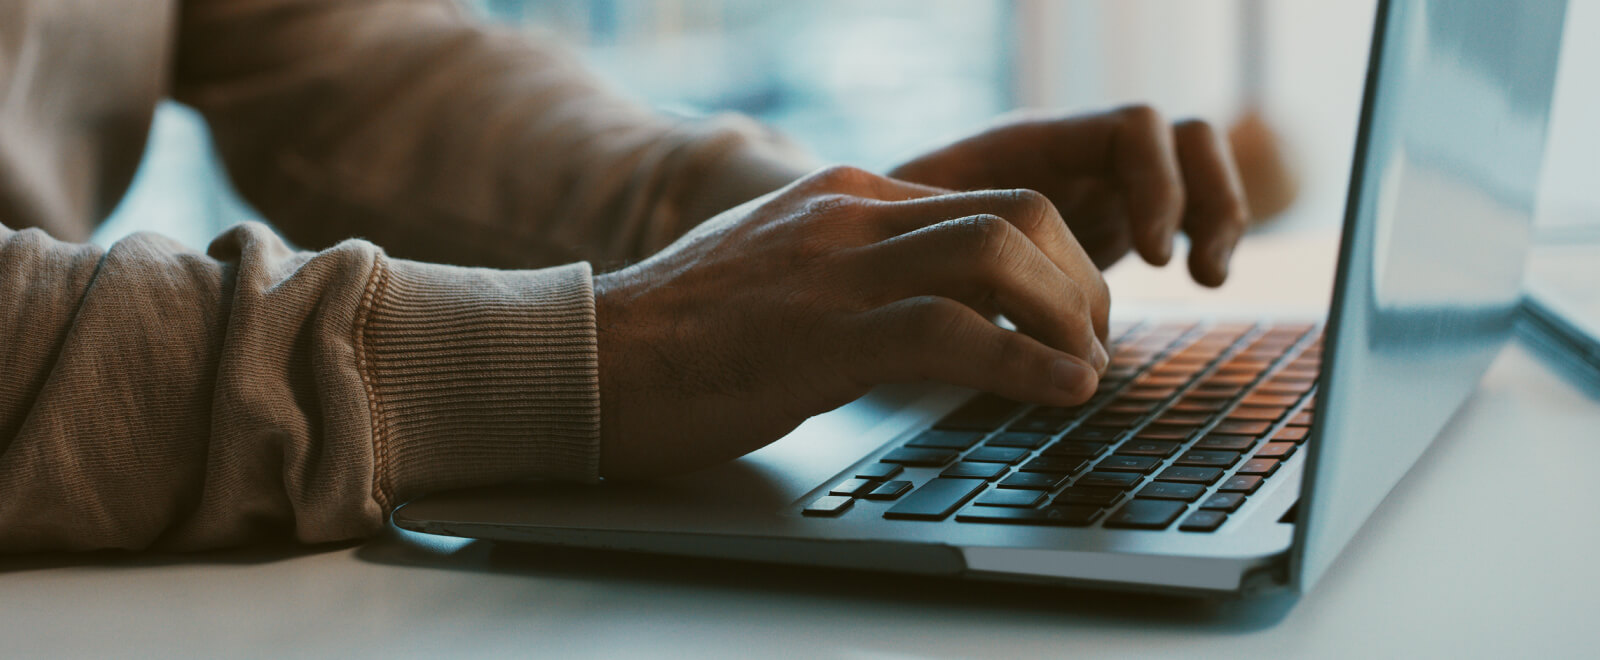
x=153 y=397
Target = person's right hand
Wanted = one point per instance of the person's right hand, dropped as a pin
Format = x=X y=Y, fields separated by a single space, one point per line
x=800 y=301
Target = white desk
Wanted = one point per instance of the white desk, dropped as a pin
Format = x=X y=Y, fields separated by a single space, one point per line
x=1485 y=550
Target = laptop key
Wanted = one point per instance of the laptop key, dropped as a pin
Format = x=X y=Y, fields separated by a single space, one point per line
x=1058 y=464
x=1121 y=480
x=1302 y=418
x=1262 y=466
x=1120 y=463
x=851 y=487
x=1167 y=490
x=1291 y=434
x=957 y=440
x=1242 y=427
x=1224 y=502
x=1203 y=521
x=1192 y=475
x=1212 y=393
x=1257 y=413
x=1269 y=400
x=1143 y=447
x=982 y=413
x=920 y=457
x=986 y=471
x=1039 y=425
x=1240 y=484
x=1170 y=433
x=1076 y=448
x=1172 y=490
x=1018 y=440
x=1101 y=497
x=1182 y=419
x=1146 y=514
x=936 y=499
x=1275 y=450
x=1221 y=442
x=1057 y=412
x=1093 y=434
x=1148 y=393
x=1205 y=458
x=888 y=490
x=1188 y=405
x=1034 y=480
x=1112 y=420
x=1136 y=408
x=1021 y=498
x=828 y=505
x=1007 y=455
x=1058 y=516
x=1228 y=380
x=878 y=471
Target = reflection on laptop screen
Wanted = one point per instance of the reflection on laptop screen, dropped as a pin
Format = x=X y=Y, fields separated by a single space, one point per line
x=1436 y=234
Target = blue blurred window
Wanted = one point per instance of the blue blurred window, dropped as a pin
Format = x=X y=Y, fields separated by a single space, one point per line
x=863 y=82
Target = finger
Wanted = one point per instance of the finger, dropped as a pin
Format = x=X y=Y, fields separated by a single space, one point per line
x=1144 y=163
x=1028 y=211
x=988 y=264
x=1099 y=221
x=861 y=183
x=1216 y=210
x=1131 y=146
x=938 y=339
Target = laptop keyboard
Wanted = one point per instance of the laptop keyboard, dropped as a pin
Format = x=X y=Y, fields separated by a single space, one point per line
x=1188 y=423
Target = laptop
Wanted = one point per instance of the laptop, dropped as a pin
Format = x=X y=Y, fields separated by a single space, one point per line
x=1218 y=458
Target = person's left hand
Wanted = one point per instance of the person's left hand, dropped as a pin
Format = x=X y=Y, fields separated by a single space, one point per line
x=1121 y=179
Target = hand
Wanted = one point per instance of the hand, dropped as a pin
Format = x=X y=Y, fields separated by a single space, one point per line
x=1122 y=179
x=798 y=302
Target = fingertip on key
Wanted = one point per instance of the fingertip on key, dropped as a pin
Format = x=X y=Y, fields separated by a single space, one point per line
x=1073 y=378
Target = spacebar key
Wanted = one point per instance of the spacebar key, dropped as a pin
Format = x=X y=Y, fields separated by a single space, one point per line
x=936 y=499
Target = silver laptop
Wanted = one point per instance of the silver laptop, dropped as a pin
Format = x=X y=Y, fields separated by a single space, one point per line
x=1217 y=458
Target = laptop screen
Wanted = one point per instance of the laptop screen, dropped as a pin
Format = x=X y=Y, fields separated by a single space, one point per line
x=1436 y=232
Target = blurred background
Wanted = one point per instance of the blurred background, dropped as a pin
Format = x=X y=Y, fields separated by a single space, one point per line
x=871 y=83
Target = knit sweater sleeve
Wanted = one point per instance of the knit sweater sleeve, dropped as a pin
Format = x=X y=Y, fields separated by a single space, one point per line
x=155 y=397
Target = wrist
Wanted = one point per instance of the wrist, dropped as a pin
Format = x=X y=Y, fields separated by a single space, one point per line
x=739 y=160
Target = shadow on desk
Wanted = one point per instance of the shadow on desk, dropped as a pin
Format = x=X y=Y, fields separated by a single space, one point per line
x=850 y=588
x=250 y=555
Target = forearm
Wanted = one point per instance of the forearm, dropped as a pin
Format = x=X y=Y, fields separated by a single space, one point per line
x=401 y=121
x=154 y=397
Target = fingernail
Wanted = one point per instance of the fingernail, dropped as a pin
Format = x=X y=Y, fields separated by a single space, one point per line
x=1100 y=358
x=1072 y=377
x=1163 y=245
x=1220 y=255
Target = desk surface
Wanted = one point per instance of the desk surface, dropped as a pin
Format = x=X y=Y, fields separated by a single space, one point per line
x=1485 y=550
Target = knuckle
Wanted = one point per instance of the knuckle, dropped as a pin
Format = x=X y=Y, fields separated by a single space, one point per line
x=1101 y=300
x=1033 y=209
x=933 y=321
x=1234 y=214
x=1197 y=129
x=1226 y=212
x=1098 y=300
x=841 y=176
x=986 y=231
x=1141 y=115
x=983 y=239
x=828 y=205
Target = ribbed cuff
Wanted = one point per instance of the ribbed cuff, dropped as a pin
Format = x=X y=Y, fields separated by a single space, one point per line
x=477 y=377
